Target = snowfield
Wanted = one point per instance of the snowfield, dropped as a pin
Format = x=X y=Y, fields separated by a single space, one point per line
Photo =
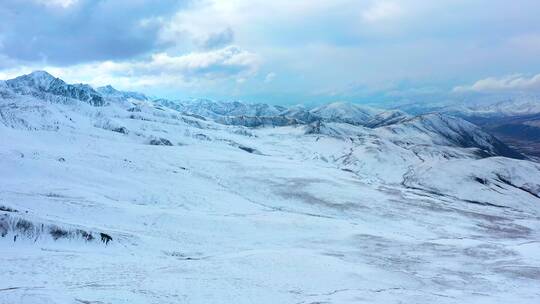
x=136 y=202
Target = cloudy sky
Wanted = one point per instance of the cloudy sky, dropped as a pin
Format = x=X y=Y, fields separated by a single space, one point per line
x=280 y=51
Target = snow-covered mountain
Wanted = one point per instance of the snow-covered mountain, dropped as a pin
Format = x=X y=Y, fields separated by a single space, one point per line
x=386 y=118
x=43 y=85
x=515 y=120
x=515 y=106
x=440 y=129
x=216 y=109
x=345 y=112
x=110 y=92
x=258 y=121
x=135 y=201
x=301 y=114
x=480 y=106
x=256 y=115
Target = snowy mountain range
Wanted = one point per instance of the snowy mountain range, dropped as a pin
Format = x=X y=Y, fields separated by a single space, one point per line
x=111 y=197
x=256 y=115
x=514 y=120
x=515 y=106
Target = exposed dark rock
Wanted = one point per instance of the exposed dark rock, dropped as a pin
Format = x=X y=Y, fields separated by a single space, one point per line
x=484 y=204
x=122 y=130
x=201 y=136
x=24 y=226
x=4 y=227
x=160 y=142
x=314 y=128
x=58 y=233
x=85 y=235
x=248 y=149
x=105 y=238
x=20 y=227
x=7 y=209
x=482 y=181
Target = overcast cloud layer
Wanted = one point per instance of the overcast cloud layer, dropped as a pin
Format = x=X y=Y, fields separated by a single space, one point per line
x=280 y=51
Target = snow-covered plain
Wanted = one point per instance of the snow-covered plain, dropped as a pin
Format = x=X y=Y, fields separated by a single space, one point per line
x=413 y=212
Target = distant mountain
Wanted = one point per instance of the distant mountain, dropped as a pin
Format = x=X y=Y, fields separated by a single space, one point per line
x=443 y=129
x=301 y=114
x=345 y=112
x=427 y=136
x=387 y=118
x=515 y=120
x=43 y=85
x=216 y=109
x=516 y=106
x=241 y=114
x=480 y=106
x=111 y=92
x=253 y=115
x=258 y=121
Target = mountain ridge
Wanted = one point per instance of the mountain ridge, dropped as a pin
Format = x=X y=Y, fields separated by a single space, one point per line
x=41 y=84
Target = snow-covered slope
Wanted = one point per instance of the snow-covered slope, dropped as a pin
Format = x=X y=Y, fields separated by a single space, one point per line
x=387 y=118
x=489 y=182
x=440 y=129
x=135 y=202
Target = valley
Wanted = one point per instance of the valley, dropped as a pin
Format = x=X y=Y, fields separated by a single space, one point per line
x=112 y=197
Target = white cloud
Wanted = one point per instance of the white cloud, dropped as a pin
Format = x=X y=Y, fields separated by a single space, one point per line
x=161 y=69
x=228 y=61
x=382 y=11
x=309 y=44
x=241 y=80
x=207 y=18
x=515 y=82
x=57 y=3
x=269 y=77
